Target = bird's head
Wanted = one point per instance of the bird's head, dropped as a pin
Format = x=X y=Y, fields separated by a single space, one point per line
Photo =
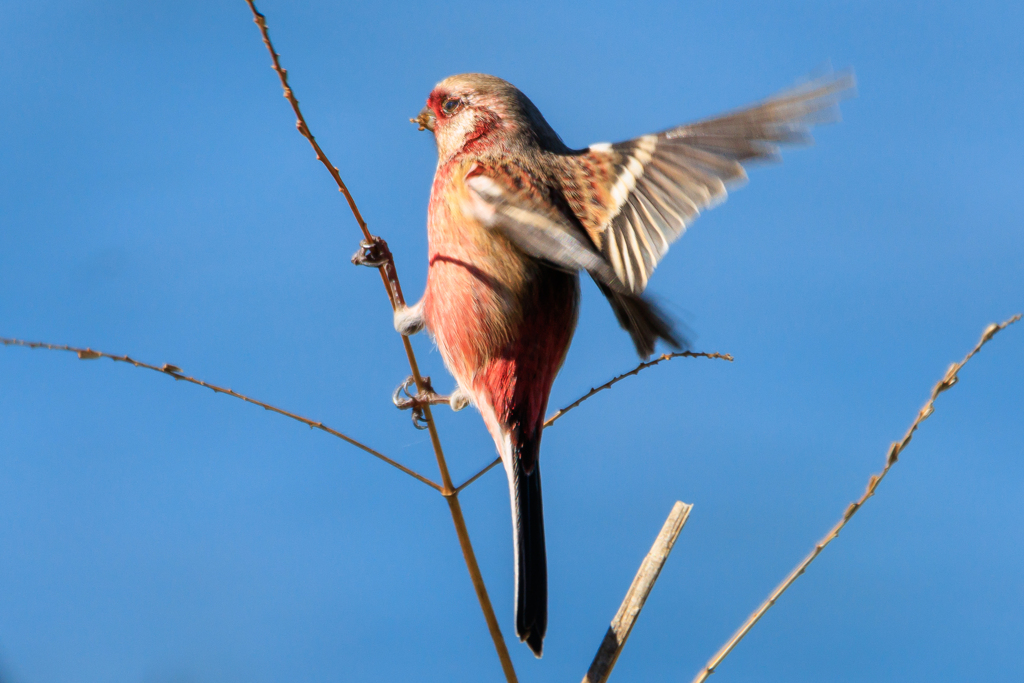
x=475 y=112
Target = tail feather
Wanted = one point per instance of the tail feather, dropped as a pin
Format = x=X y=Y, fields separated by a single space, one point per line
x=531 y=559
x=644 y=321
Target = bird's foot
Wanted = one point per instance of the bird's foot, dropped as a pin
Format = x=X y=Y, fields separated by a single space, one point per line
x=373 y=252
x=418 y=400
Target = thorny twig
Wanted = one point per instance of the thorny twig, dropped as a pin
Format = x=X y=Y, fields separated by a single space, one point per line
x=479 y=474
x=176 y=372
x=643 y=366
x=607 y=385
x=300 y=120
x=895 y=449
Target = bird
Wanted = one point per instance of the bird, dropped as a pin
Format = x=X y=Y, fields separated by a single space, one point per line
x=515 y=215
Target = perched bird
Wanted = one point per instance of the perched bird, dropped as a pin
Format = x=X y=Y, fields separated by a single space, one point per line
x=515 y=214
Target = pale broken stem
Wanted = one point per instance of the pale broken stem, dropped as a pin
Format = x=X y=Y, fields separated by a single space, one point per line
x=389 y=276
x=642 y=366
x=636 y=596
x=895 y=449
x=607 y=385
x=176 y=373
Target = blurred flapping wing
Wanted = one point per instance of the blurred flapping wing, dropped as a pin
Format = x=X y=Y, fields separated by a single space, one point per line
x=637 y=197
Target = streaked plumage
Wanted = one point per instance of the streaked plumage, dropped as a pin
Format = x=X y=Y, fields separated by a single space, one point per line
x=515 y=214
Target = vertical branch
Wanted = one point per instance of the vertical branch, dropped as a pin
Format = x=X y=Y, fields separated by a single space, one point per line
x=300 y=120
x=380 y=256
x=481 y=590
x=636 y=596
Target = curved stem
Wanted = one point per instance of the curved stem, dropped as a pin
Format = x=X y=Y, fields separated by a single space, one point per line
x=175 y=372
x=643 y=366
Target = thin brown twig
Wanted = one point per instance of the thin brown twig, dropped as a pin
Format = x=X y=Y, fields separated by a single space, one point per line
x=300 y=120
x=175 y=372
x=607 y=385
x=476 y=476
x=643 y=366
x=622 y=625
x=389 y=276
x=895 y=449
x=387 y=270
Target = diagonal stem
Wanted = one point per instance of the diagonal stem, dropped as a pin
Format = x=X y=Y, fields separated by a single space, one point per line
x=176 y=373
x=643 y=366
x=948 y=380
x=636 y=596
x=389 y=276
x=476 y=476
x=607 y=385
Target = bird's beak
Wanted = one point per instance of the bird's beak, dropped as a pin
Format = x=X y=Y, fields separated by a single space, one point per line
x=425 y=120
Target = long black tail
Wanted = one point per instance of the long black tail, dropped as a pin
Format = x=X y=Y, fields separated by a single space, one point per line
x=531 y=558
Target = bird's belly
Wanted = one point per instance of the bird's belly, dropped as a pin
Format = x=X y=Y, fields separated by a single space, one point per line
x=471 y=309
x=503 y=334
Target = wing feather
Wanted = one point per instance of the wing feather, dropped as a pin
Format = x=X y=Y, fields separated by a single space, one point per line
x=656 y=224
x=642 y=222
x=531 y=224
x=656 y=185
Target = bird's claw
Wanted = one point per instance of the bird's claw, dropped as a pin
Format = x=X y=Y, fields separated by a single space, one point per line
x=417 y=400
x=373 y=252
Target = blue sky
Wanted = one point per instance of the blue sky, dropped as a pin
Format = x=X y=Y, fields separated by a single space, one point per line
x=155 y=200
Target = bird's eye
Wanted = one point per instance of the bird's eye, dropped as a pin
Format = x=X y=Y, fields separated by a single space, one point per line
x=450 y=105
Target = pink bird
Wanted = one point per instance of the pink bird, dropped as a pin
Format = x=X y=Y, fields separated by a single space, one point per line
x=514 y=216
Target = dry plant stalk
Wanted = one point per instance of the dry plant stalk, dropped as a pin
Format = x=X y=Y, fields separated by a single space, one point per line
x=622 y=625
x=176 y=372
x=642 y=366
x=607 y=385
x=636 y=596
x=947 y=382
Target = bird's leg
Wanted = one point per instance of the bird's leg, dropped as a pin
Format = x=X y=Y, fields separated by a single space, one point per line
x=409 y=319
x=417 y=400
x=458 y=399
